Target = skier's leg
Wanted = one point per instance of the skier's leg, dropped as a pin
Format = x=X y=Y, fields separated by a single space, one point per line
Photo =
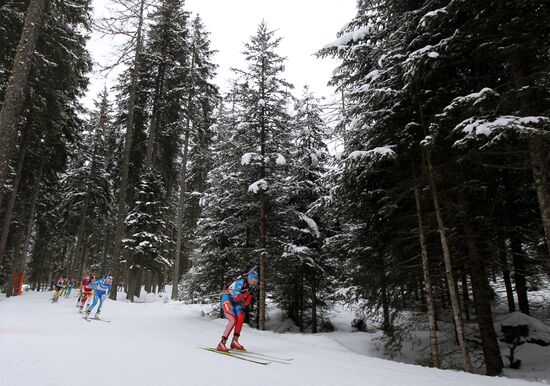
x=240 y=319
x=101 y=300
x=84 y=300
x=232 y=318
x=91 y=306
x=227 y=307
x=238 y=327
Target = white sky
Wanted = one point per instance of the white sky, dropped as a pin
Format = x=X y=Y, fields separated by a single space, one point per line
x=305 y=26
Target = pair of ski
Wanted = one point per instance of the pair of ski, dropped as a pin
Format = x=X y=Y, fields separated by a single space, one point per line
x=250 y=356
x=99 y=320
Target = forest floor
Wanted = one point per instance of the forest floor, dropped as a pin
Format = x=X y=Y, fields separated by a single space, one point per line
x=157 y=342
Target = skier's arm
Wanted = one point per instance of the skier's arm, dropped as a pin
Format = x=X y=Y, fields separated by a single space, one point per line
x=244 y=294
x=248 y=299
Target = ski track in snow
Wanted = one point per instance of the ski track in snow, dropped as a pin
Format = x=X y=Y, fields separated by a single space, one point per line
x=158 y=344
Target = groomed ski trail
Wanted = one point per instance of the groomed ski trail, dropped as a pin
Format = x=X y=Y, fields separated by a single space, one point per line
x=158 y=344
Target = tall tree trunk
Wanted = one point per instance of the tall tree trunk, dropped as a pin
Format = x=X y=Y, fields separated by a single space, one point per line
x=520 y=270
x=135 y=278
x=183 y=186
x=17 y=86
x=18 y=239
x=160 y=279
x=301 y=301
x=121 y=207
x=480 y=289
x=457 y=316
x=159 y=83
x=263 y=206
x=465 y=292
x=147 y=281
x=81 y=240
x=20 y=254
x=432 y=321
x=6 y=224
x=314 y=302
x=503 y=260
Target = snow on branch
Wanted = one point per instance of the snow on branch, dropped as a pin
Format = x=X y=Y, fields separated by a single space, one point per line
x=310 y=223
x=432 y=15
x=377 y=153
x=248 y=157
x=257 y=186
x=524 y=126
x=537 y=332
x=352 y=37
x=280 y=160
x=472 y=99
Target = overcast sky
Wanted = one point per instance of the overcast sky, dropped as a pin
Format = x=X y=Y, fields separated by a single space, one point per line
x=305 y=26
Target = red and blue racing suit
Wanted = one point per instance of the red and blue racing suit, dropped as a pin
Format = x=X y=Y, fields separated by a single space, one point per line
x=232 y=301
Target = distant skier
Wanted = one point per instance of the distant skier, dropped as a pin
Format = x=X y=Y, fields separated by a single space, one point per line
x=232 y=301
x=64 y=290
x=101 y=288
x=69 y=287
x=86 y=291
x=58 y=289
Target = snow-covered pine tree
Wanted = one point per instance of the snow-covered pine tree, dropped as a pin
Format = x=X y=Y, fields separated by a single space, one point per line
x=129 y=99
x=57 y=79
x=426 y=72
x=162 y=79
x=226 y=229
x=146 y=241
x=300 y=274
x=18 y=83
x=200 y=99
x=263 y=138
x=370 y=191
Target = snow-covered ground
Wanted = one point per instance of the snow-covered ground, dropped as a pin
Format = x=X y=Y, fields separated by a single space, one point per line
x=158 y=343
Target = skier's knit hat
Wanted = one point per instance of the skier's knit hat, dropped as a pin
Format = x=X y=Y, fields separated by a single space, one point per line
x=253 y=274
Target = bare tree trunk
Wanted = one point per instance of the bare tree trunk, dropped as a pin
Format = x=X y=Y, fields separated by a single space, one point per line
x=6 y=224
x=179 y=221
x=506 y=273
x=518 y=258
x=160 y=276
x=18 y=239
x=465 y=293
x=139 y=281
x=432 y=321
x=183 y=187
x=147 y=281
x=81 y=240
x=159 y=83
x=135 y=278
x=263 y=206
x=480 y=289
x=20 y=255
x=314 y=303
x=17 y=86
x=121 y=211
x=457 y=316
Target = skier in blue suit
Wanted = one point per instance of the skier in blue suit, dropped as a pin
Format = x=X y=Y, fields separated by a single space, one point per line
x=101 y=288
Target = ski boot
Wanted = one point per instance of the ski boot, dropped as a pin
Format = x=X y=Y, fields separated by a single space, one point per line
x=221 y=345
x=87 y=314
x=96 y=316
x=235 y=345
